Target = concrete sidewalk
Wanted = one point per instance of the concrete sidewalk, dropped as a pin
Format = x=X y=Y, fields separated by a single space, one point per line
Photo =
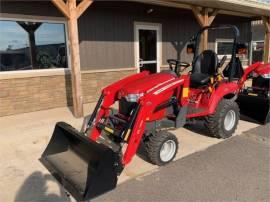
x=235 y=170
x=25 y=136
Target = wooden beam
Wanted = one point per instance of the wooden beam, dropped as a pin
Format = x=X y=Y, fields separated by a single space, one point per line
x=60 y=4
x=266 y=22
x=197 y=13
x=83 y=6
x=75 y=59
x=72 y=12
x=212 y=16
x=204 y=18
x=267 y=48
x=204 y=40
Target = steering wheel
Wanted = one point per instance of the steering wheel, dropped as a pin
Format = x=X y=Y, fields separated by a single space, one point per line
x=175 y=65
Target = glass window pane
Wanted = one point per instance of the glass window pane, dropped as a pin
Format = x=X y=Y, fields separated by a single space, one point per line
x=32 y=45
x=224 y=48
x=257 y=51
x=148 y=44
x=51 y=47
x=14 y=47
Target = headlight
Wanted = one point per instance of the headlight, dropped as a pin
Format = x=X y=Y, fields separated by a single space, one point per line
x=134 y=97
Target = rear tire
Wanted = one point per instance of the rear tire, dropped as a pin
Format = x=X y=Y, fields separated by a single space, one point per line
x=223 y=123
x=161 y=148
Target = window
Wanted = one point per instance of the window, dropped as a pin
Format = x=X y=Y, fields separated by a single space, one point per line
x=32 y=45
x=257 y=51
x=224 y=47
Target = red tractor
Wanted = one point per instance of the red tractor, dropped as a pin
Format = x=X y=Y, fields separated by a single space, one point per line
x=88 y=164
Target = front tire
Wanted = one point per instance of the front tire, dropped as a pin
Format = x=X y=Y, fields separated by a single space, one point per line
x=161 y=148
x=223 y=123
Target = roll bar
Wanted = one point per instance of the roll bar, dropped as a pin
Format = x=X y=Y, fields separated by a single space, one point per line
x=236 y=34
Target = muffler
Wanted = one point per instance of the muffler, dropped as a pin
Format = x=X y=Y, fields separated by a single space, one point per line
x=85 y=168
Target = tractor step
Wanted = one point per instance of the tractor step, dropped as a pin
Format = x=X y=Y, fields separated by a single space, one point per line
x=193 y=110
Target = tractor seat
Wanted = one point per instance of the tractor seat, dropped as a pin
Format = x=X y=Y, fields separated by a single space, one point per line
x=205 y=66
x=198 y=79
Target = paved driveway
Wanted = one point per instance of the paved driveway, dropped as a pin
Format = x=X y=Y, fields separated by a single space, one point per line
x=25 y=136
x=237 y=169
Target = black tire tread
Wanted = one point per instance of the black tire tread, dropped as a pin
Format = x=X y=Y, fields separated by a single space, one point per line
x=214 y=122
x=153 y=146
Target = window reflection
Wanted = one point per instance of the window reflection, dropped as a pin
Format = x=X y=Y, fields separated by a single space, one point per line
x=257 y=51
x=224 y=48
x=32 y=45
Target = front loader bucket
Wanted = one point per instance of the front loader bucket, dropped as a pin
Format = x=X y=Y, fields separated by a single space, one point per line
x=85 y=168
x=254 y=108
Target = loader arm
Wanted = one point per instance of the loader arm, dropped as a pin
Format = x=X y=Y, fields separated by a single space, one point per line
x=108 y=98
x=147 y=104
x=247 y=71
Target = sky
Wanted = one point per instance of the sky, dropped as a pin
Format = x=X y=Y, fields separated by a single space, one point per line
x=266 y=1
x=12 y=35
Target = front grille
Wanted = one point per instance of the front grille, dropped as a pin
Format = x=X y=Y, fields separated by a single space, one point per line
x=126 y=107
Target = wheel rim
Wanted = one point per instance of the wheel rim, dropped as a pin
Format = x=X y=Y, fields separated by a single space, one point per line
x=167 y=150
x=229 y=120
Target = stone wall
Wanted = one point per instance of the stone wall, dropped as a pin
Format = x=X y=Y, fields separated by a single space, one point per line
x=94 y=82
x=20 y=95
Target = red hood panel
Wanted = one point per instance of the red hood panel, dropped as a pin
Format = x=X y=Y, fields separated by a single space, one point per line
x=148 y=82
x=263 y=69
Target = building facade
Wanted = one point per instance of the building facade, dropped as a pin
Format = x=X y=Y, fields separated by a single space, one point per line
x=115 y=40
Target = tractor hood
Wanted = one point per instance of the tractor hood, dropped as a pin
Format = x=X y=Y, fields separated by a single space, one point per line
x=264 y=71
x=146 y=83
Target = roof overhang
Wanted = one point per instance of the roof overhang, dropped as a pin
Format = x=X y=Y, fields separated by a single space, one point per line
x=245 y=8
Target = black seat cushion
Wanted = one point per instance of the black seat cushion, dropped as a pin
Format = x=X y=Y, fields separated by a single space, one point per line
x=206 y=63
x=205 y=66
x=198 y=79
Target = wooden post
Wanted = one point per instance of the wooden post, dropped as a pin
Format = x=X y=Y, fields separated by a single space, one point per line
x=204 y=18
x=204 y=41
x=266 y=22
x=75 y=59
x=73 y=12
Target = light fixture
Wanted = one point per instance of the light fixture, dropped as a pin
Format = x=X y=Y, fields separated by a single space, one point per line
x=150 y=10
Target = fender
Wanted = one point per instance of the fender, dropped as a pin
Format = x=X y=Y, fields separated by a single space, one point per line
x=230 y=88
x=223 y=90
